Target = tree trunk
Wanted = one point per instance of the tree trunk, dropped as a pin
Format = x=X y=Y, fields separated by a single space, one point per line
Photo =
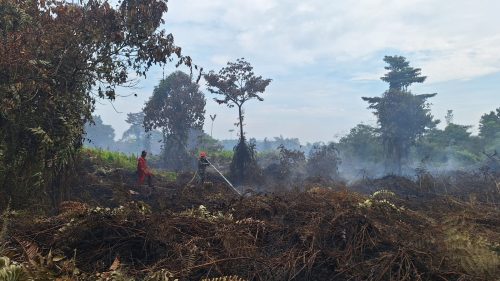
x=241 y=123
x=398 y=164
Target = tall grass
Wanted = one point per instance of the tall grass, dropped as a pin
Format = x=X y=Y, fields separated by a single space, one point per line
x=121 y=160
x=111 y=158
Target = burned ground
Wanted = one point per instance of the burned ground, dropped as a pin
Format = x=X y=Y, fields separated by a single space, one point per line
x=397 y=229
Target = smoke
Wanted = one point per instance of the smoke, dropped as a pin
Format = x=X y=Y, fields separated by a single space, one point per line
x=448 y=161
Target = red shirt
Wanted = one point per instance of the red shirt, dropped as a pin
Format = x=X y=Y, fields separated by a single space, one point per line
x=142 y=169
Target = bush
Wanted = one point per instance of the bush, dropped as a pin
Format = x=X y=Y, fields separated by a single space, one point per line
x=244 y=168
x=111 y=158
x=323 y=162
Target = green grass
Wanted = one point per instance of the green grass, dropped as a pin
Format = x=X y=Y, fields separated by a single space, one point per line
x=121 y=160
x=224 y=154
x=111 y=158
x=167 y=175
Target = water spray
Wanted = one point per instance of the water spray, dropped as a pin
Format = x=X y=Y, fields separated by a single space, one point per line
x=228 y=182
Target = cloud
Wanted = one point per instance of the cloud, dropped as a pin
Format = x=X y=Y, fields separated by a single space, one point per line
x=324 y=55
x=292 y=33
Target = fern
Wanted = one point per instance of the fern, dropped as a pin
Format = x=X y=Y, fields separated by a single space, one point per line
x=162 y=275
x=191 y=258
x=225 y=278
x=11 y=271
x=30 y=249
x=474 y=254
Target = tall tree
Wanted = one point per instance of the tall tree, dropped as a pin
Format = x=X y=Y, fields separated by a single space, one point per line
x=56 y=59
x=99 y=134
x=400 y=74
x=489 y=125
x=402 y=116
x=177 y=105
x=236 y=84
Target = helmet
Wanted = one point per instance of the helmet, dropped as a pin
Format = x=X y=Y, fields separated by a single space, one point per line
x=203 y=154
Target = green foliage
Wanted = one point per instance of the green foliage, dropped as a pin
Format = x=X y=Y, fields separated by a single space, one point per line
x=206 y=143
x=402 y=116
x=453 y=145
x=401 y=75
x=323 y=162
x=111 y=158
x=166 y=175
x=225 y=154
x=489 y=127
x=56 y=59
x=292 y=164
x=473 y=254
x=236 y=84
x=106 y=159
x=244 y=168
x=11 y=271
x=457 y=134
x=177 y=105
x=362 y=143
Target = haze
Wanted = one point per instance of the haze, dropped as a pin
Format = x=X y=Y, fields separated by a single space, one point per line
x=323 y=56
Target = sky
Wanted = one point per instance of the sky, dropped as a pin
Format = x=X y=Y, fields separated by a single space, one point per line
x=324 y=55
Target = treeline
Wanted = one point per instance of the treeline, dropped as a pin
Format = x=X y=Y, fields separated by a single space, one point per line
x=452 y=148
x=135 y=139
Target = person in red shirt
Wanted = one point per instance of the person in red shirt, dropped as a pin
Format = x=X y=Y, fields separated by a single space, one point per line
x=142 y=170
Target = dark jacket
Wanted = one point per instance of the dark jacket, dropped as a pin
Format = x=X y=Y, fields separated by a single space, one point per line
x=202 y=164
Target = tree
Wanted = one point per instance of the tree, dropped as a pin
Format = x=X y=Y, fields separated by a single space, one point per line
x=56 y=59
x=236 y=84
x=449 y=117
x=137 y=132
x=323 y=162
x=177 y=105
x=362 y=144
x=401 y=75
x=453 y=146
x=212 y=117
x=402 y=116
x=99 y=134
x=456 y=134
x=292 y=165
x=489 y=125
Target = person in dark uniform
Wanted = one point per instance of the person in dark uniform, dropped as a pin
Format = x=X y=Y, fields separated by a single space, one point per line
x=202 y=166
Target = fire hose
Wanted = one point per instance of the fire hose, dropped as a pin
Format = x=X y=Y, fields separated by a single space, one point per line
x=228 y=182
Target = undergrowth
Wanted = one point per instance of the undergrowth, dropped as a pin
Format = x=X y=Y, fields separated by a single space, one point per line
x=118 y=160
x=111 y=158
